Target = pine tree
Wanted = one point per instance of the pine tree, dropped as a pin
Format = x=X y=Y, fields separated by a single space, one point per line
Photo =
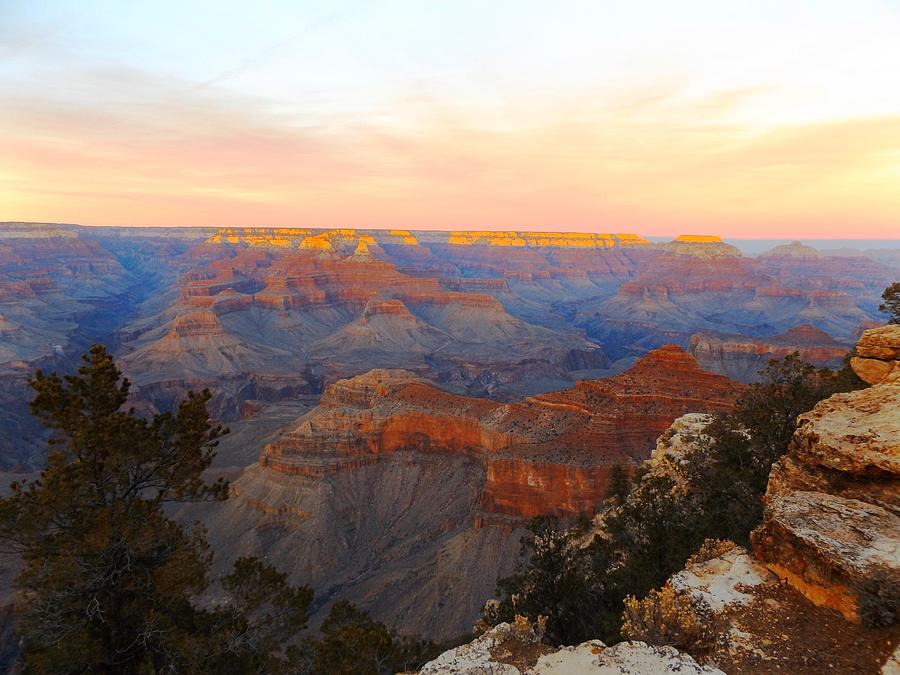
x=891 y=304
x=619 y=483
x=108 y=581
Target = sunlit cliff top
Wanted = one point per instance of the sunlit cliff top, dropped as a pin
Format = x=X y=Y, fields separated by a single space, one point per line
x=333 y=239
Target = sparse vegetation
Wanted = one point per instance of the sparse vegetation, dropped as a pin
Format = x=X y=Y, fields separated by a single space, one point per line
x=109 y=582
x=667 y=517
x=664 y=617
x=891 y=304
x=709 y=549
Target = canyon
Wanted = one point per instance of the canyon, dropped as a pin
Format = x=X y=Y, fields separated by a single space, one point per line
x=742 y=358
x=397 y=490
x=402 y=402
x=819 y=589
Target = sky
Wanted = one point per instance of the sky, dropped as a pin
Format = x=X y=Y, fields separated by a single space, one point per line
x=746 y=119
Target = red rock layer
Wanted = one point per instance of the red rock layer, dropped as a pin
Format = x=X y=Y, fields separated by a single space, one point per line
x=546 y=454
x=813 y=345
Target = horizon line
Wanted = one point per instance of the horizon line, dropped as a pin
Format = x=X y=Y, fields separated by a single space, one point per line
x=428 y=229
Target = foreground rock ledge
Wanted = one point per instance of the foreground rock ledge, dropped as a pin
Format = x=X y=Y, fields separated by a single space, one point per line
x=877 y=359
x=831 y=526
x=495 y=652
x=830 y=548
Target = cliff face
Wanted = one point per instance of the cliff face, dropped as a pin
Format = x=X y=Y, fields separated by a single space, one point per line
x=549 y=453
x=409 y=499
x=741 y=358
x=343 y=314
x=832 y=518
x=819 y=592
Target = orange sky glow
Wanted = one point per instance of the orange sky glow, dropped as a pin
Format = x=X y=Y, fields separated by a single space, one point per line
x=95 y=133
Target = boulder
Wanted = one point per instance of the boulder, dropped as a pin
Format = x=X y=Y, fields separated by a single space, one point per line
x=877 y=359
x=474 y=658
x=831 y=526
x=507 y=650
x=830 y=548
x=624 y=658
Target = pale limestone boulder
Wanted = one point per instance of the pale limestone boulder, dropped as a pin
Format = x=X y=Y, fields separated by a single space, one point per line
x=877 y=359
x=829 y=547
x=473 y=658
x=722 y=582
x=625 y=658
x=578 y=659
x=683 y=436
x=857 y=433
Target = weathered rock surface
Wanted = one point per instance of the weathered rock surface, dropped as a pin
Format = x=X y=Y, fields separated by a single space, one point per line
x=684 y=435
x=753 y=622
x=832 y=519
x=877 y=357
x=857 y=433
x=741 y=358
x=718 y=584
x=830 y=548
x=476 y=657
x=550 y=453
x=502 y=651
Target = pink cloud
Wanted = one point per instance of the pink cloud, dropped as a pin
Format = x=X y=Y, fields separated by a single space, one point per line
x=645 y=164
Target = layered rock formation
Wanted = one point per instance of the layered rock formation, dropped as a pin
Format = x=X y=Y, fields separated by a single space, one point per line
x=710 y=286
x=878 y=355
x=279 y=297
x=549 y=453
x=832 y=518
x=755 y=623
x=741 y=358
x=409 y=499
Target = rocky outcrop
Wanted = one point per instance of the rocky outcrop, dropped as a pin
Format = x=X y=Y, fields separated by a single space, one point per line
x=794 y=249
x=515 y=649
x=702 y=246
x=877 y=358
x=196 y=324
x=683 y=436
x=820 y=591
x=830 y=548
x=741 y=358
x=752 y=622
x=550 y=453
x=414 y=498
x=832 y=517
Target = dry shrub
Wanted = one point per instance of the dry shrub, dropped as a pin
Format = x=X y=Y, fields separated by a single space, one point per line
x=526 y=632
x=664 y=617
x=709 y=549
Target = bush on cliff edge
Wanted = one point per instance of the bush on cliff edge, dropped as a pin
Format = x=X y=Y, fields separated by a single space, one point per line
x=580 y=585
